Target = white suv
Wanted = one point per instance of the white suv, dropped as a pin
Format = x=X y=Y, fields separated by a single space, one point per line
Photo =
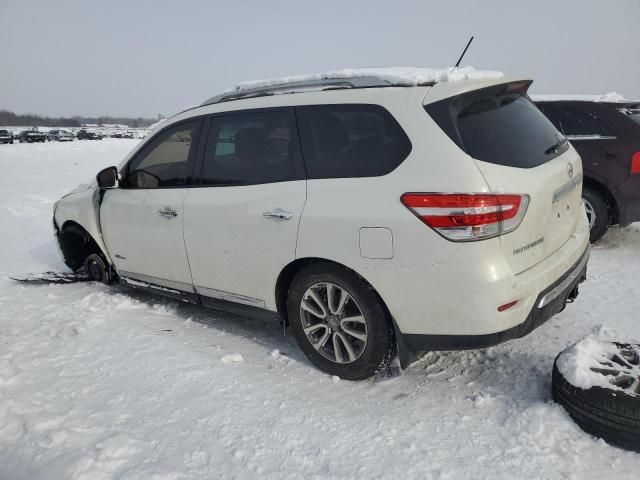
x=378 y=212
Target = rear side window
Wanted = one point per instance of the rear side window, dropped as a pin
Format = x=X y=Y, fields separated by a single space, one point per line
x=345 y=141
x=251 y=148
x=499 y=125
x=578 y=122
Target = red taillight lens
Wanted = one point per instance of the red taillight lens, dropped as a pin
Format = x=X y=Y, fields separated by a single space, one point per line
x=467 y=217
x=635 y=163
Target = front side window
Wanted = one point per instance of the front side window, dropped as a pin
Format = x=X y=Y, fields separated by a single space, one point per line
x=351 y=140
x=167 y=161
x=250 y=148
x=576 y=122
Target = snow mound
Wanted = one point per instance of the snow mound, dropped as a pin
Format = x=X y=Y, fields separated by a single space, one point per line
x=607 y=97
x=400 y=76
x=592 y=361
x=232 y=358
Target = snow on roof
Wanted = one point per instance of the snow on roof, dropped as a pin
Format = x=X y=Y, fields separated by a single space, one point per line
x=400 y=76
x=607 y=97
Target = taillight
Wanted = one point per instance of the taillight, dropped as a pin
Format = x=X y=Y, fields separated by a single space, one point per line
x=635 y=163
x=462 y=217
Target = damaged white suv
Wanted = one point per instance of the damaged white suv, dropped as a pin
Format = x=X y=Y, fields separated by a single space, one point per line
x=378 y=212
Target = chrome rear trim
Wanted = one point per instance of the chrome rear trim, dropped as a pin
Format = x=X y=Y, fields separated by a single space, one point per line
x=562 y=286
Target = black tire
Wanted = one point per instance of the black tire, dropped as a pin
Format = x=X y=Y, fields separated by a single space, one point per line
x=76 y=246
x=601 y=210
x=612 y=415
x=98 y=269
x=380 y=347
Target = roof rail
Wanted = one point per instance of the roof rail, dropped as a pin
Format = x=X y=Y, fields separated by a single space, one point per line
x=299 y=86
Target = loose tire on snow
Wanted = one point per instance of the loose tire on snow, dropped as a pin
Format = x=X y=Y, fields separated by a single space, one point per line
x=352 y=313
x=612 y=414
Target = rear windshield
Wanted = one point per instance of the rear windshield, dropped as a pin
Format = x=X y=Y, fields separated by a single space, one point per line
x=499 y=125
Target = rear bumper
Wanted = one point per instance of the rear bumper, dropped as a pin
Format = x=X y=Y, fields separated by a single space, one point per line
x=550 y=302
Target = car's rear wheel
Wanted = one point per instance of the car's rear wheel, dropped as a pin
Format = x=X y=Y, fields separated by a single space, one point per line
x=339 y=322
x=597 y=214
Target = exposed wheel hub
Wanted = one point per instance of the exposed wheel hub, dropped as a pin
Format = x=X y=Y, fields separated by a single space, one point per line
x=97 y=269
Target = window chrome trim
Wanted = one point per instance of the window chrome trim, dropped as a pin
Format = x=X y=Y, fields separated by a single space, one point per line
x=590 y=137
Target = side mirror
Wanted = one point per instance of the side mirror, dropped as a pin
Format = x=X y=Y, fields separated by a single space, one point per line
x=107 y=178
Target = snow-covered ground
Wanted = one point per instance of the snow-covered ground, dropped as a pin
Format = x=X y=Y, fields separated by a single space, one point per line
x=100 y=383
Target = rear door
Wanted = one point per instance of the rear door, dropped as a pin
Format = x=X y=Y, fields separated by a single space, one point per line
x=593 y=139
x=142 y=221
x=241 y=224
x=519 y=151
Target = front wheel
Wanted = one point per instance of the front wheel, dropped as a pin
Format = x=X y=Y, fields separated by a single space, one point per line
x=597 y=214
x=339 y=322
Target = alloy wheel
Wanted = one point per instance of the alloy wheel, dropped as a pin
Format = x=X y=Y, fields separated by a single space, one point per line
x=623 y=369
x=333 y=322
x=591 y=213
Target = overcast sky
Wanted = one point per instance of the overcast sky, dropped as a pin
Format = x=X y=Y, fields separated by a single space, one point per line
x=139 y=58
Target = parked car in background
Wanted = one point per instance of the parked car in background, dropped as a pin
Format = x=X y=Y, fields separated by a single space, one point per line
x=607 y=136
x=60 y=135
x=32 y=135
x=377 y=211
x=6 y=136
x=121 y=134
x=85 y=134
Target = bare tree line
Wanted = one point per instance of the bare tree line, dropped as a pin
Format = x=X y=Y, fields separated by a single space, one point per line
x=31 y=120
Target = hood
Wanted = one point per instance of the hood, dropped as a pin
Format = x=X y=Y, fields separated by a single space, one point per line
x=82 y=188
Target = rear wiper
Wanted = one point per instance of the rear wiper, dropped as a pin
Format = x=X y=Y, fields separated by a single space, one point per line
x=556 y=146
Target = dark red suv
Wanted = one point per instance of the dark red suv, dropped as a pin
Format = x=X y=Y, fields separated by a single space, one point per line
x=607 y=137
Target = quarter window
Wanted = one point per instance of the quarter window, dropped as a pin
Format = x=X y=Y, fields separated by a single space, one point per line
x=251 y=148
x=344 y=141
x=167 y=161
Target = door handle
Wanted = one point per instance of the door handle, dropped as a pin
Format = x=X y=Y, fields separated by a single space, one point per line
x=167 y=212
x=278 y=214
